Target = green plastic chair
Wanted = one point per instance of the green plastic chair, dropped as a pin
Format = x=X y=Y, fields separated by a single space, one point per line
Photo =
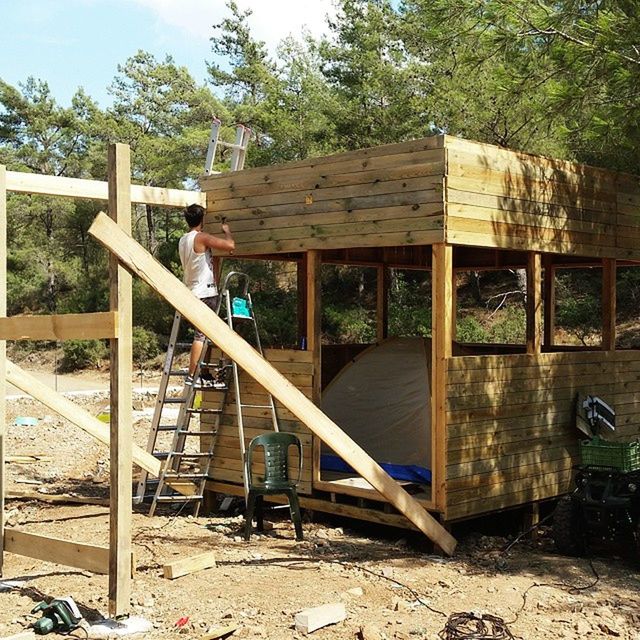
x=276 y=478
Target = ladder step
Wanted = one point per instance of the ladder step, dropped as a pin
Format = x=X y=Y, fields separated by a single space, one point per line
x=198 y=433
x=179 y=498
x=167 y=427
x=180 y=476
x=231 y=145
x=182 y=454
x=178 y=372
x=256 y=406
x=207 y=411
x=183 y=344
x=174 y=400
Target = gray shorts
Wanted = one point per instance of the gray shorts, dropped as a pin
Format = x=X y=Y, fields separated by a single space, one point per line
x=212 y=303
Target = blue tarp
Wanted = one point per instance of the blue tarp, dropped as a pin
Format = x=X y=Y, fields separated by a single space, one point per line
x=407 y=472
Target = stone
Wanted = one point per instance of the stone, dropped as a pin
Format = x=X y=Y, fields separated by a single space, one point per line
x=368 y=632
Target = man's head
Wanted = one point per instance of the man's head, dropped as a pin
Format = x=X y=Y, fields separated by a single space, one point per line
x=194 y=214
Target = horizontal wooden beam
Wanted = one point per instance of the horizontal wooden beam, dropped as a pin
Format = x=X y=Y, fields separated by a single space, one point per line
x=143 y=264
x=68 y=326
x=20 y=182
x=88 y=557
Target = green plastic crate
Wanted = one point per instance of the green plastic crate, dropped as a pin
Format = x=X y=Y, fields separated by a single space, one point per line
x=619 y=455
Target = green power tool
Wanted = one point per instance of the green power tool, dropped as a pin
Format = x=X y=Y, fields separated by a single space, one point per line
x=61 y=615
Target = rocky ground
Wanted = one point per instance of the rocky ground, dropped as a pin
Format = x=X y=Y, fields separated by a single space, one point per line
x=390 y=583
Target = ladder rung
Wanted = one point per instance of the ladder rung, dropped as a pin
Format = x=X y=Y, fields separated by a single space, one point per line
x=179 y=498
x=256 y=406
x=159 y=454
x=198 y=433
x=214 y=411
x=183 y=344
x=179 y=476
x=187 y=454
x=231 y=145
x=174 y=400
x=179 y=372
x=167 y=427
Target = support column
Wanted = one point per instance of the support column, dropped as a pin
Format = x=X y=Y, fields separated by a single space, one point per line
x=301 y=278
x=121 y=436
x=608 y=304
x=549 y=301
x=382 y=302
x=3 y=350
x=534 y=302
x=314 y=338
x=441 y=338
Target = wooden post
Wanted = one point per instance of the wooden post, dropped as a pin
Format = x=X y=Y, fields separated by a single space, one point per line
x=549 y=301
x=382 y=302
x=301 y=278
x=534 y=302
x=143 y=264
x=313 y=299
x=3 y=349
x=441 y=339
x=121 y=435
x=608 y=304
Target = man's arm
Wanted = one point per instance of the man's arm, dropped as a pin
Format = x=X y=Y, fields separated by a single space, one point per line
x=205 y=241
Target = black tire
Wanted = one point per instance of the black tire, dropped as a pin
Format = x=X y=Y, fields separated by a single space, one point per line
x=567 y=532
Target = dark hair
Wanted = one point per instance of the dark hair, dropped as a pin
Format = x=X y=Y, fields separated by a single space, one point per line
x=194 y=214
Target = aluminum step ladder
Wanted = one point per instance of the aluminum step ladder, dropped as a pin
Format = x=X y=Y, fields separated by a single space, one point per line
x=239 y=147
x=182 y=466
x=238 y=310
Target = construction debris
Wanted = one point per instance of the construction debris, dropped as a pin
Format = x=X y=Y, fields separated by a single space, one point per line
x=308 y=620
x=189 y=565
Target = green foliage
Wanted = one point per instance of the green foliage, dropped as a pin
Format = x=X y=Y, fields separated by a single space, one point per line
x=578 y=302
x=81 y=354
x=145 y=344
x=409 y=303
x=469 y=329
x=509 y=327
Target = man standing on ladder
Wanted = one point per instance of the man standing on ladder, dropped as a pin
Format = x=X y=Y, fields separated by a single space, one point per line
x=199 y=273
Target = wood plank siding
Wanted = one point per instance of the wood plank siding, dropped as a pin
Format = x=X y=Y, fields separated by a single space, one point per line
x=383 y=196
x=500 y=198
x=511 y=437
x=226 y=466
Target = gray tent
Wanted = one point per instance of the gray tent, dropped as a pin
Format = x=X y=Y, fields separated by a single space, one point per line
x=382 y=400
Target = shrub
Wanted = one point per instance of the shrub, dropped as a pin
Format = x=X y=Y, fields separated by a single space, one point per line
x=80 y=354
x=145 y=344
x=468 y=329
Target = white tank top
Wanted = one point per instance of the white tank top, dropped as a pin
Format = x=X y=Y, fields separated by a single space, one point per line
x=198 y=267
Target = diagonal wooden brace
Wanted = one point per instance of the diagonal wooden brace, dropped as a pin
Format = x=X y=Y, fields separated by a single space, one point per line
x=81 y=418
x=140 y=262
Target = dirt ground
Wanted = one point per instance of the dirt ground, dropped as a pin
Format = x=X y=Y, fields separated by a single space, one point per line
x=392 y=587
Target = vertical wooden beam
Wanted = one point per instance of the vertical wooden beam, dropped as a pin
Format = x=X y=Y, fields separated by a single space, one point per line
x=382 y=302
x=454 y=305
x=608 y=304
x=314 y=339
x=549 y=301
x=441 y=349
x=301 y=277
x=534 y=302
x=3 y=349
x=121 y=436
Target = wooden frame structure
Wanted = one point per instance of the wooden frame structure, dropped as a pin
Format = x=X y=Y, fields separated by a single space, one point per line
x=116 y=325
x=502 y=417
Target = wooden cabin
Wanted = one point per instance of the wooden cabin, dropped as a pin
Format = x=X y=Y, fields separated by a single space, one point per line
x=502 y=430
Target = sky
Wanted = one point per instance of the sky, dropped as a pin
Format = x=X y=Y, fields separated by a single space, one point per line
x=73 y=43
